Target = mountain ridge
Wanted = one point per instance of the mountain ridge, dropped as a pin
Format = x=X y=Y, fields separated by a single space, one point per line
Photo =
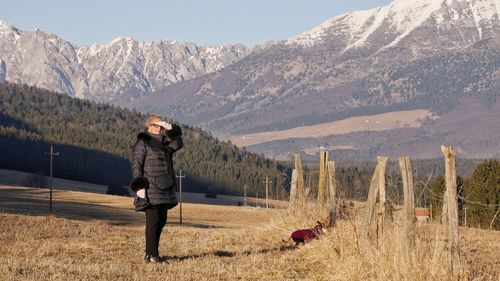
x=123 y=67
x=433 y=65
x=403 y=13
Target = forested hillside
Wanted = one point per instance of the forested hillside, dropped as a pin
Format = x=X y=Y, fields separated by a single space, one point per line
x=94 y=141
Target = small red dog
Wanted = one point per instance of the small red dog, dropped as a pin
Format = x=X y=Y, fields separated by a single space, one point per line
x=305 y=235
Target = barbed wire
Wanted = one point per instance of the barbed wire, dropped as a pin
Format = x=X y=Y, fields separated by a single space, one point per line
x=479 y=203
x=438 y=197
x=435 y=196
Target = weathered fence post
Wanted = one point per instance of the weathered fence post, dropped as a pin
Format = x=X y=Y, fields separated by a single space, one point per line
x=323 y=158
x=444 y=210
x=381 y=193
x=409 y=200
x=293 y=190
x=368 y=218
x=300 y=178
x=332 y=193
x=451 y=196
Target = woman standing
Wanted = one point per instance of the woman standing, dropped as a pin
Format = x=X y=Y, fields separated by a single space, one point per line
x=153 y=177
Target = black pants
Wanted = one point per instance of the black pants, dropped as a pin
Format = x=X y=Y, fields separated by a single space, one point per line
x=156 y=218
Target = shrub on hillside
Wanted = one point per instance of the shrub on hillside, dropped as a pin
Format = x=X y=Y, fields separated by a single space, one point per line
x=482 y=195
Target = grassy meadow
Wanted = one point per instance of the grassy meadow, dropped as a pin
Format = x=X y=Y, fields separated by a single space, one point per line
x=99 y=237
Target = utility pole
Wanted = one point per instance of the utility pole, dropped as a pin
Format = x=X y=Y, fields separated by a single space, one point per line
x=245 y=195
x=51 y=153
x=267 y=182
x=180 y=177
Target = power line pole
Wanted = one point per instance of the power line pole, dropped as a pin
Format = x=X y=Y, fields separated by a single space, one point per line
x=51 y=153
x=180 y=177
x=267 y=182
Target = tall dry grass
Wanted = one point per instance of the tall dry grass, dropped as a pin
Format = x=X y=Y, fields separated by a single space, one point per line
x=344 y=254
x=246 y=245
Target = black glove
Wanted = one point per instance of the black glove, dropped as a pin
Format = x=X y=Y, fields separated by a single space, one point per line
x=175 y=132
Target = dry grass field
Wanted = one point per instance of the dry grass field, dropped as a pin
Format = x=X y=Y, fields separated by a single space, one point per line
x=98 y=237
x=378 y=122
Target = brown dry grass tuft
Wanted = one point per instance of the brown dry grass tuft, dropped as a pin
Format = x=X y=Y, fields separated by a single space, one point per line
x=343 y=254
x=222 y=243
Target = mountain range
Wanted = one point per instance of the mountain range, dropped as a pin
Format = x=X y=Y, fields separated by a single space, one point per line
x=123 y=67
x=435 y=55
x=440 y=58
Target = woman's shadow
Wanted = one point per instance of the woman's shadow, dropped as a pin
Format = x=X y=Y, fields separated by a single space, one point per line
x=227 y=254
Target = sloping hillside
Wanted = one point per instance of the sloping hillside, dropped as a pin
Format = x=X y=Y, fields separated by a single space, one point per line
x=94 y=142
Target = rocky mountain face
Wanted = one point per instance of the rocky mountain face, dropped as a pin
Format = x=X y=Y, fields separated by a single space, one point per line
x=123 y=69
x=421 y=54
x=408 y=54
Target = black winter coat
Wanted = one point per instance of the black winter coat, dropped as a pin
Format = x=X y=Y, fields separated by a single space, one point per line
x=152 y=158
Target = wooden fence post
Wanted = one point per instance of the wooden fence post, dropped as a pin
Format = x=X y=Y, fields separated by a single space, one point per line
x=409 y=200
x=332 y=193
x=323 y=158
x=444 y=210
x=451 y=196
x=368 y=225
x=300 y=178
x=293 y=190
x=381 y=193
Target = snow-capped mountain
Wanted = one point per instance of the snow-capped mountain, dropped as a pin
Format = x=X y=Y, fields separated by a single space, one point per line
x=418 y=54
x=386 y=27
x=122 y=69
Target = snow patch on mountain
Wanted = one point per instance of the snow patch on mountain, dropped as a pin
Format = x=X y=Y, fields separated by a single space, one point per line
x=407 y=18
x=363 y=24
x=399 y=18
x=313 y=36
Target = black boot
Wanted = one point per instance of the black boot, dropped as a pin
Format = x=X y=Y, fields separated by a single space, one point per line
x=152 y=259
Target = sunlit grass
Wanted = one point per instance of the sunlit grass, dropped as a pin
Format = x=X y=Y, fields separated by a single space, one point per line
x=227 y=243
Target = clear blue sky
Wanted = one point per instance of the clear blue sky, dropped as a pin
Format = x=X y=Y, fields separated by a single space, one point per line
x=204 y=22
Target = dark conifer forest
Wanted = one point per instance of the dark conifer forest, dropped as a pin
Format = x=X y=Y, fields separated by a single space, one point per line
x=94 y=142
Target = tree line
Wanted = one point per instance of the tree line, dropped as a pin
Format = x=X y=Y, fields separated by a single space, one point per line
x=478 y=187
x=95 y=142
x=478 y=196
